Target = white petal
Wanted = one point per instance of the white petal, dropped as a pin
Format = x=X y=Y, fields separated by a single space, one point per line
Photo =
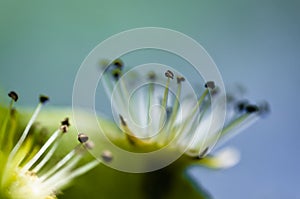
x=226 y=158
x=223 y=159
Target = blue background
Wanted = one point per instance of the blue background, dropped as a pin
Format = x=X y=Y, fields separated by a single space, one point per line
x=255 y=43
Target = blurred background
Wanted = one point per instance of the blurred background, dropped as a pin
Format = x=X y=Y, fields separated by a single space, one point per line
x=254 y=43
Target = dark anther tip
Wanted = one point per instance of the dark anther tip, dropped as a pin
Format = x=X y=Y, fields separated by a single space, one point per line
x=118 y=62
x=116 y=73
x=169 y=74
x=241 y=105
x=13 y=95
x=65 y=122
x=203 y=153
x=180 y=79
x=82 y=138
x=64 y=128
x=151 y=75
x=122 y=120
x=210 y=85
x=107 y=156
x=44 y=99
x=251 y=108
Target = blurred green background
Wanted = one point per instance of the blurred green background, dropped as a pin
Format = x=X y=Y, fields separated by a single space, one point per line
x=255 y=43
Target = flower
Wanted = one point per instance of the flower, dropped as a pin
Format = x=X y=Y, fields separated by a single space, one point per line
x=27 y=170
x=153 y=110
x=157 y=109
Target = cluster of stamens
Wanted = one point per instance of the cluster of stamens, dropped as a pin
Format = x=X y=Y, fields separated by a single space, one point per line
x=171 y=129
x=27 y=170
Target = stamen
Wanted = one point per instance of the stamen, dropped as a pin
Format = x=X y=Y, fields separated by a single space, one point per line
x=241 y=105
x=54 y=137
x=73 y=174
x=169 y=74
x=82 y=138
x=61 y=163
x=112 y=77
x=233 y=124
x=180 y=79
x=116 y=73
x=46 y=158
x=178 y=93
x=41 y=151
x=119 y=63
x=43 y=99
x=251 y=108
x=122 y=120
x=129 y=135
x=169 y=111
x=60 y=174
x=210 y=84
x=200 y=101
x=68 y=157
x=152 y=76
x=239 y=123
x=65 y=122
x=13 y=95
x=187 y=125
x=64 y=128
x=107 y=156
x=56 y=179
x=12 y=129
x=175 y=107
x=203 y=153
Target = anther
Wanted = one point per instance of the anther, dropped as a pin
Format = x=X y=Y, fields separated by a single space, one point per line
x=251 y=108
x=82 y=138
x=13 y=95
x=241 y=105
x=180 y=79
x=119 y=63
x=65 y=122
x=151 y=75
x=44 y=99
x=169 y=111
x=169 y=74
x=203 y=153
x=107 y=156
x=210 y=85
x=116 y=74
x=122 y=120
x=64 y=128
